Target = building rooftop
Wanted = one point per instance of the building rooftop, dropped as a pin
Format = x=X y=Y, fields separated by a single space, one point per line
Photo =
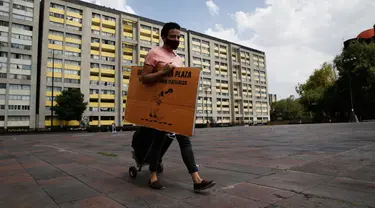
x=367 y=34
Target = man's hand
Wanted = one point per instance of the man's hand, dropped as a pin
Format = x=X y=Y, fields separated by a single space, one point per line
x=168 y=68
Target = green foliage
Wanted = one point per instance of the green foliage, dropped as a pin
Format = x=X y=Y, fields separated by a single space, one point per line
x=326 y=98
x=356 y=66
x=286 y=109
x=312 y=92
x=70 y=105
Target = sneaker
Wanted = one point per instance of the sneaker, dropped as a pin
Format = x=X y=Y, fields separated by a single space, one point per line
x=203 y=185
x=155 y=185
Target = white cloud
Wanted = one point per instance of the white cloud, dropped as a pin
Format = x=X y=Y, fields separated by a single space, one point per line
x=212 y=8
x=115 y=4
x=298 y=35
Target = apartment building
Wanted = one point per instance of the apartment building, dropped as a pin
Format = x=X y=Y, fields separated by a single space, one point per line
x=92 y=48
x=86 y=46
x=233 y=87
x=18 y=62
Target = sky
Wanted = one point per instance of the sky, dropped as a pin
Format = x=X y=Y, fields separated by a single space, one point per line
x=296 y=35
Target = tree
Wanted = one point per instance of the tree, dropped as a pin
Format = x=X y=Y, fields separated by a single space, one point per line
x=356 y=66
x=286 y=109
x=312 y=92
x=70 y=105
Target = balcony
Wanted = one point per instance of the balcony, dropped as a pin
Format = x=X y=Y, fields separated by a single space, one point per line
x=107 y=105
x=72 y=67
x=56 y=10
x=106 y=122
x=96 y=20
x=55 y=37
x=109 y=47
x=49 y=93
x=74 y=23
x=73 y=14
x=109 y=23
x=73 y=40
x=94 y=104
x=94 y=96
x=145 y=31
x=106 y=96
x=107 y=71
x=127 y=57
x=95 y=45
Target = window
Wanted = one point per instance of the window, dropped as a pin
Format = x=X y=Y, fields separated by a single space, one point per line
x=73 y=45
x=74 y=63
x=4 y=44
x=55 y=89
x=22 y=37
x=19 y=97
x=108 y=92
x=74 y=54
x=19 y=87
x=4 y=34
x=3 y=54
x=74 y=19
x=18 y=118
x=22 y=17
x=94 y=15
x=72 y=81
x=66 y=71
x=105 y=66
x=56 y=79
x=20 y=66
x=55 y=51
x=4 y=24
x=74 y=10
x=55 y=42
x=19 y=76
x=57 y=33
x=21 y=46
x=109 y=18
x=3 y=85
x=18 y=107
x=20 y=56
x=94 y=65
x=109 y=42
x=57 y=61
x=56 y=70
x=71 y=27
x=57 y=24
x=57 y=6
x=73 y=36
x=23 y=8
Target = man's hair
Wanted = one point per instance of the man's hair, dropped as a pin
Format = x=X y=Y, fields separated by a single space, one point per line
x=169 y=26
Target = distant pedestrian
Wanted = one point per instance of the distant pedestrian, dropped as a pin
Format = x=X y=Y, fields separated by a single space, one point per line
x=113 y=128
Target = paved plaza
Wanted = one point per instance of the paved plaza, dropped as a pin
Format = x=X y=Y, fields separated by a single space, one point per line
x=322 y=165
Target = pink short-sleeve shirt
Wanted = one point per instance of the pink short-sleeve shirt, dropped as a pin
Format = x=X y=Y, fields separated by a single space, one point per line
x=158 y=57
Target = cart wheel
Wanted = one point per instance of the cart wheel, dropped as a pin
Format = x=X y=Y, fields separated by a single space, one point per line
x=160 y=168
x=133 y=172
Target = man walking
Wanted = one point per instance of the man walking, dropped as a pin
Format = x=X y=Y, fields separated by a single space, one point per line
x=160 y=61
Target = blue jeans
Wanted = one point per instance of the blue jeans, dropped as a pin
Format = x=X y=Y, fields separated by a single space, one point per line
x=185 y=147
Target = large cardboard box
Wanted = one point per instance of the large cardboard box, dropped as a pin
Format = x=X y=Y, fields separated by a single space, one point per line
x=168 y=105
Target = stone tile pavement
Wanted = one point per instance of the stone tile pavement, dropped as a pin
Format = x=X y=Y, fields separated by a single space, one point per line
x=324 y=165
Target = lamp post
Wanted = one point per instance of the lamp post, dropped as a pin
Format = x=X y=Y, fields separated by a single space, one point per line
x=206 y=108
x=353 y=116
x=53 y=84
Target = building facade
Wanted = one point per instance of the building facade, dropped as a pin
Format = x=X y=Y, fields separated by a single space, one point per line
x=86 y=46
x=19 y=23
